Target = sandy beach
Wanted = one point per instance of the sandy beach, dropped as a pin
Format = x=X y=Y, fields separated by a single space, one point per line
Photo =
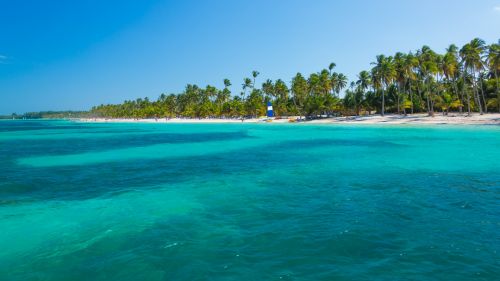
x=416 y=119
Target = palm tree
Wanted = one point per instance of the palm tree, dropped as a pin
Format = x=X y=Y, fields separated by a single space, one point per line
x=281 y=91
x=364 y=80
x=247 y=83
x=363 y=83
x=333 y=80
x=341 y=83
x=383 y=73
x=315 y=102
x=325 y=82
x=313 y=83
x=481 y=77
x=354 y=96
x=399 y=65
x=451 y=69
x=223 y=96
x=299 y=90
x=471 y=57
x=409 y=64
x=493 y=60
x=255 y=73
x=439 y=85
x=268 y=88
x=331 y=66
x=428 y=68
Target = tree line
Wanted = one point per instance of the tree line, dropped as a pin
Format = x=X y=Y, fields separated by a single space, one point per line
x=49 y=115
x=461 y=79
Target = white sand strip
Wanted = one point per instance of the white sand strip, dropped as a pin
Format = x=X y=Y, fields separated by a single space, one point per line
x=417 y=119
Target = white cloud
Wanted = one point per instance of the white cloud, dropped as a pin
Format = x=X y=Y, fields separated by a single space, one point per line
x=496 y=8
x=3 y=59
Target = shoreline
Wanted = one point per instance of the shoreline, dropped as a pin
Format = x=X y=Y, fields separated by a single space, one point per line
x=389 y=119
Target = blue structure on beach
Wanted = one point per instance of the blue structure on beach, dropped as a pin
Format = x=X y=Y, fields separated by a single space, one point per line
x=270 y=112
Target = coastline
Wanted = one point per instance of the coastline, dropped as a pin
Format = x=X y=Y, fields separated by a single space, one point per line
x=389 y=119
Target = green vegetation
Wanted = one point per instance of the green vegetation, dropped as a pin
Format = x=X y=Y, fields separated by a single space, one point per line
x=48 y=115
x=462 y=79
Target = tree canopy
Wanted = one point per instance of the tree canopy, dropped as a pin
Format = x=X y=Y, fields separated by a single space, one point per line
x=462 y=79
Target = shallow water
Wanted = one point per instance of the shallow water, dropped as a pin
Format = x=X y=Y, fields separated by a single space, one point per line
x=248 y=202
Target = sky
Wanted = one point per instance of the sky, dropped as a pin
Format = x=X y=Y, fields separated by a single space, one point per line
x=72 y=55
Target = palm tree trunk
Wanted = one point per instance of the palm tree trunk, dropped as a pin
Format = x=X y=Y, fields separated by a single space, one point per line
x=383 y=102
x=411 y=96
x=456 y=91
x=468 y=103
x=296 y=107
x=498 y=90
x=428 y=106
x=478 y=101
x=482 y=94
x=432 y=95
x=430 y=103
x=397 y=94
x=371 y=101
x=427 y=89
x=468 y=95
x=418 y=91
x=476 y=94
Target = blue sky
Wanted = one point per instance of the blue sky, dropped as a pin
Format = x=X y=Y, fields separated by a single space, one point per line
x=58 y=55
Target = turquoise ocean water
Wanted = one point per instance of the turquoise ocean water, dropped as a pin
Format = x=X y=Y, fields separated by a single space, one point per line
x=248 y=202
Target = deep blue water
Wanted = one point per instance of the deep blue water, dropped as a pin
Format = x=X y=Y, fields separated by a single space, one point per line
x=248 y=202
